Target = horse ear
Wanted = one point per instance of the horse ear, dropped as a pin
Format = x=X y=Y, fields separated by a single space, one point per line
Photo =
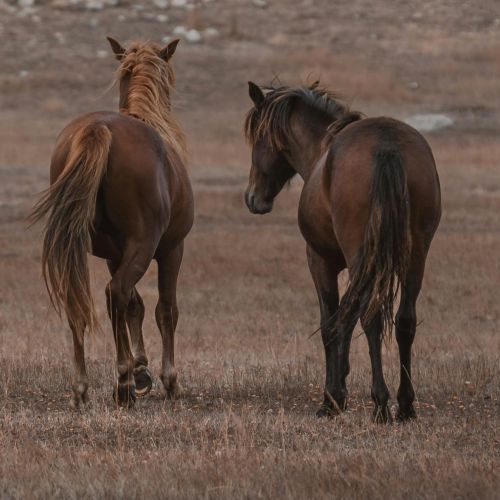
x=255 y=93
x=315 y=85
x=168 y=51
x=117 y=48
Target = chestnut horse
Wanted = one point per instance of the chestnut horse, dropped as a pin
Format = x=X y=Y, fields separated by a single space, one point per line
x=370 y=202
x=120 y=190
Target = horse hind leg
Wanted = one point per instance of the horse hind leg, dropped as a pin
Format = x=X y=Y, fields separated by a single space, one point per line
x=80 y=380
x=134 y=318
x=406 y=325
x=135 y=261
x=379 y=391
x=167 y=315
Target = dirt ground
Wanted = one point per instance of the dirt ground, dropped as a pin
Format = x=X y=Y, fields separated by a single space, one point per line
x=252 y=377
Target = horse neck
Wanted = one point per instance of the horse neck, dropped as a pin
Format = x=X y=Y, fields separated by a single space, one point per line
x=160 y=118
x=308 y=127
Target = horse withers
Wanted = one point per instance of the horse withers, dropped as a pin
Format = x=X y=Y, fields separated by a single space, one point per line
x=371 y=202
x=119 y=190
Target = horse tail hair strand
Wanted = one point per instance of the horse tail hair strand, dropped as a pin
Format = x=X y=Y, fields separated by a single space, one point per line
x=69 y=206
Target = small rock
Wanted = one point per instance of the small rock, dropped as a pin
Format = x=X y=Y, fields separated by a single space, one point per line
x=122 y=18
x=101 y=54
x=262 y=4
x=413 y=85
x=166 y=39
x=193 y=36
x=210 y=32
x=26 y=3
x=162 y=18
x=179 y=3
x=161 y=4
x=24 y=73
x=429 y=122
x=94 y=5
x=94 y=22
x=179 y=31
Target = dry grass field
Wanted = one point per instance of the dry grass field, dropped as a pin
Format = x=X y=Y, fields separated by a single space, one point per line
x=252 y=376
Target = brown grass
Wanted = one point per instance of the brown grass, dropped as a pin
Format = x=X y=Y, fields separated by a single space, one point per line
x=252 y=377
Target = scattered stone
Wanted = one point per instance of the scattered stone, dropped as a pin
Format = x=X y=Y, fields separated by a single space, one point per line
x=192 y=36
x=429 y=122
x=94 y=22
x=162 y=18
x=413 y=85
x=26 y=3
x=161 y=4
x=94 y=5
x=24 y=73
x=102 y=54
x=166 y=39
x=262 y=4
x=179 y=3
x=210 y=32
x=122 y=18
x=179 y=31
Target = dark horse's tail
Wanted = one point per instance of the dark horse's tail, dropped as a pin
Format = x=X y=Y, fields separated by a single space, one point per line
x=382 y=263
x=70 y=204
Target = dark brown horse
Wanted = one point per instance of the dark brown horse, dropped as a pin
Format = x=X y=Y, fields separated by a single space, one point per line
x=120 y=190
x=370 y=202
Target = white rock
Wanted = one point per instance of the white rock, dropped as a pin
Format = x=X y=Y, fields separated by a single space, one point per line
x=430 y=121
x=94 y=5
x=179 y=31
x=260 y=3
x=162 y=18
x=210 y=32
x=24 y=73
x=179 y=3
x=26 y=3
x=94 y=22
x=122 y=18
x=101 y=54
x=166 y=39
x=161 y=4
x=193 y=36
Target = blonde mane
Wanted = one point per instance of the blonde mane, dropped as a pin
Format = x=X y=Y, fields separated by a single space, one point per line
x=151 y=81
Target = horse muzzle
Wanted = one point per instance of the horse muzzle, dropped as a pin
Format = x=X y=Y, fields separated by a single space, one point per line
x=257 y=205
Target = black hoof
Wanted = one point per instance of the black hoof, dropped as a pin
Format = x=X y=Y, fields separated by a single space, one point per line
x=406 y=414
x=326 y=412
x=143 y=381
x=382 y=415
x=124 y=395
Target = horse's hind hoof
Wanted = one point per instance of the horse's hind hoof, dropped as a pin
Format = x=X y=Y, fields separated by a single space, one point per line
x=124 y=395
x=325 y=412
x=406 y=414
x=143 y=381
x=79 y=397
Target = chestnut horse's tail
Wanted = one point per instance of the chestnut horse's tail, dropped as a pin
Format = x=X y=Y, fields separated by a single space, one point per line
x=382 y=263
x=70 y=204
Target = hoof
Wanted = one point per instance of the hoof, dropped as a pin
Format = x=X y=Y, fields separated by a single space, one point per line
x=143 y=381
x=172 y=388
x=80 y=396
x=124 y=395
x=326 y=412
x=406 y=414
x=382 y=415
